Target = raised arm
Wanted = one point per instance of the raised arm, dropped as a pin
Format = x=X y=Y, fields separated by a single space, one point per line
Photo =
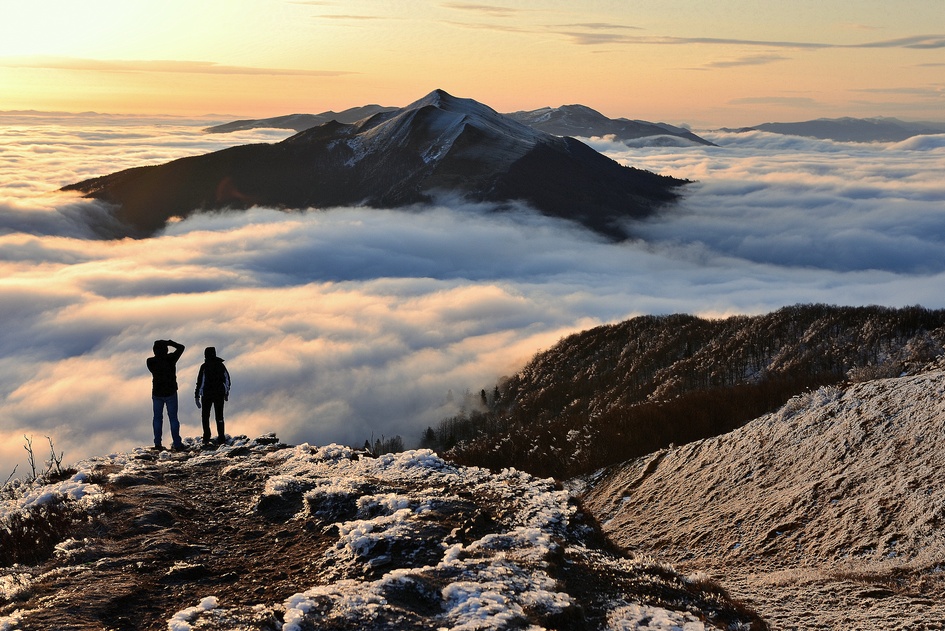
x=178 y=349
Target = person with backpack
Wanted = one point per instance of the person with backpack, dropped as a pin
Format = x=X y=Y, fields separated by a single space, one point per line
x=213 y=388
x=163 y=367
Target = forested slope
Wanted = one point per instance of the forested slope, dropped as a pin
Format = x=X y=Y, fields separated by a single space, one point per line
x=627 y=389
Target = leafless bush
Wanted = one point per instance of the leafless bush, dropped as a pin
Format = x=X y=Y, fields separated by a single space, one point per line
x=29 y=454
x=860 y=374
x=10 y=477
x=53 y=469
x=29 y=537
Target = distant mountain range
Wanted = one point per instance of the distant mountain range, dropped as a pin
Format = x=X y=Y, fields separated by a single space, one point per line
x=301 y=122
x=439 y=145
x=568 y=120
x=584 y=122
x=851 y=129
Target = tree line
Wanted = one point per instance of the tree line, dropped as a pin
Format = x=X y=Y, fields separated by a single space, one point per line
x=619 y=391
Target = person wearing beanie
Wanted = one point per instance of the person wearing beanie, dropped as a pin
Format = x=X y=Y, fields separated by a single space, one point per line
x=213 y=388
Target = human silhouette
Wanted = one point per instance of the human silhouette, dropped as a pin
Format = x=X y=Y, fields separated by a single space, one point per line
x=163 y=367
x=213 y=388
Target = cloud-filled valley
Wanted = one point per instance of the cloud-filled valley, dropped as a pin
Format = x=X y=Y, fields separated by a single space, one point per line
x=344 y=323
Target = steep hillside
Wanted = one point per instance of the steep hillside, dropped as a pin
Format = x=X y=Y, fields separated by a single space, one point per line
x=627 y=389
x=826 y=514
x=257 y=535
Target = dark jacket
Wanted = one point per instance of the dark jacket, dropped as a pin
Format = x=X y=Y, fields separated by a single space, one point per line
x=213 y=379
x=163 y=367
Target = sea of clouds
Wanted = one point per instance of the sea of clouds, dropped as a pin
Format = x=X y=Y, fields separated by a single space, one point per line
x=348 y=323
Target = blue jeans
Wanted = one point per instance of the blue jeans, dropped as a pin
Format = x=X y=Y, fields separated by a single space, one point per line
x=158 y=421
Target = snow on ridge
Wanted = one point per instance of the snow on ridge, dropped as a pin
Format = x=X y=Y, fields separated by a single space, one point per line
x=490 y=581
x=825 y=514
x=453 y=111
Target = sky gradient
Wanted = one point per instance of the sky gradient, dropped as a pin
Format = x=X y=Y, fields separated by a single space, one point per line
x=729 y=62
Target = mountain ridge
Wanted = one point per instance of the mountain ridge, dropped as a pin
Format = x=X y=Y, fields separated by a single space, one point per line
x=565 y=120
x=438 y=145
x=299 y=122
x=583 y=121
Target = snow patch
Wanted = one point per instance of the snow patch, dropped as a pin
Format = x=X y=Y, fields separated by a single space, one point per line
x=76 y=489
x=636 y=617
x=181 y=620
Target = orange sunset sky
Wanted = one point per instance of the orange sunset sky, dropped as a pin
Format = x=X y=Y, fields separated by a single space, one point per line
x=727 y=62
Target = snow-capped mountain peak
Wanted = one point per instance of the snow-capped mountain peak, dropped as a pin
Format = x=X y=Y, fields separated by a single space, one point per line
x=438 y=144
x=438 y=119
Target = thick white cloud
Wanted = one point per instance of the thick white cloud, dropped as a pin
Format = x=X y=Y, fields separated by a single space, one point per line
x=349 y=322
x=799 y=202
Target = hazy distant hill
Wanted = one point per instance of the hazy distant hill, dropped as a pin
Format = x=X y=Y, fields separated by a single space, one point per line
x=437 y=145
x=853 y=129
x=827 y=514
x=580 y=120
x=627 y=389
x=301 y=122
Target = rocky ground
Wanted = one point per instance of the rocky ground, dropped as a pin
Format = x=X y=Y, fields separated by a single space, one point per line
x=259 y=535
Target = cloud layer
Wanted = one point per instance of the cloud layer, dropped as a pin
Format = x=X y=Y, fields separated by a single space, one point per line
x=344 y=323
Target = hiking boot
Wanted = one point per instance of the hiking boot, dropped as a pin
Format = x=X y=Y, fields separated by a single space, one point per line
x=158 y=447
x=179 y=447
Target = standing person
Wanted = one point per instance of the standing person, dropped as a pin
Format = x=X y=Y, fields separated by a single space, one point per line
x=163 y=367
x=213 y=388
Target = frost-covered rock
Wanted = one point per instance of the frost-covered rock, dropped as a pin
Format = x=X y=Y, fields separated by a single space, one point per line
x=258 y=535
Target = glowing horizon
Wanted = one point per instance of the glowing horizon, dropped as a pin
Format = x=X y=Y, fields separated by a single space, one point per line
x=728 y=63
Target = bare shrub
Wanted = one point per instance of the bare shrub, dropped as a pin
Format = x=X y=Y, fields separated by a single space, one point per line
x=29 y=537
